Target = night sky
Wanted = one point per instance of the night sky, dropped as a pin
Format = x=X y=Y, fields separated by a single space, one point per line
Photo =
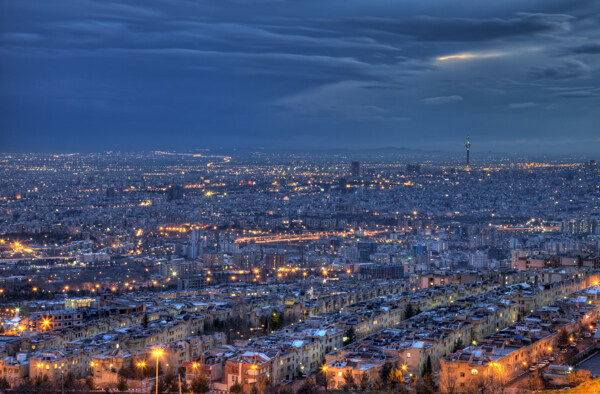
x=516 y=75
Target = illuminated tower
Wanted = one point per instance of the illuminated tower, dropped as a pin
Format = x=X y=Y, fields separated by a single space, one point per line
x=468 y=145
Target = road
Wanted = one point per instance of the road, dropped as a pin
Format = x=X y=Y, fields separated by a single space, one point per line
x=521 y=383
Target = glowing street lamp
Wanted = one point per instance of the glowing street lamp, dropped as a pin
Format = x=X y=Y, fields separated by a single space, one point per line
x=46 y=323
x=157 y=353
x=141 y=365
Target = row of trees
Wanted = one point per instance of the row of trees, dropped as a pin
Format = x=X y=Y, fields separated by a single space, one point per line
x=390 y=379
x=43 y=385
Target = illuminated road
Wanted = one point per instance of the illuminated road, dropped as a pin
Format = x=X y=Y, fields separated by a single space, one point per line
x=299 y=237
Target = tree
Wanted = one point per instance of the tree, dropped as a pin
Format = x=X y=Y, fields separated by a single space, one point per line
x=409 y=312
x=172 y=383
x=89 y=382
x=365 y=382
x=4 y=385
x=253 y=389
x=349 y=336
x=447 y=381
x=237 y=388
x=428 y=368
x=275 y=321
x=263 y=385
x=72 y=384
x=349 y=382
x=425 y=385
x=200 y=384
x=482 y=384
x=185 y=388
x=44 y=385
x=145 y=321
x=323 y=379
x=578 y=376
x=396 y=378
x=563 y=338
x=308 y=387
x=285 y=389
x=535 y=381
x=122 y=384
x=458 y=345
x=384 y=374
x=26 y=387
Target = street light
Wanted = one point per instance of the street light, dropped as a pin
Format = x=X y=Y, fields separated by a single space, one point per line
x=157 y=353
x=141 y=365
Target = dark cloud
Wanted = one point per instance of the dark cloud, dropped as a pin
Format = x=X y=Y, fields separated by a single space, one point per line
x=522 y=105
x=125 y=73
x=566 y=69
x=442 y=100
x=591 y=48
x=430 y=28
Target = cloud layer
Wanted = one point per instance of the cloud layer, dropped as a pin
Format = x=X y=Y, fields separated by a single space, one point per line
x=96 y=74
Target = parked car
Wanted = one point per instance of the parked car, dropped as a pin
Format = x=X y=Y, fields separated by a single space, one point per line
x=533 y=368
x=573 y=344
x=587 y=334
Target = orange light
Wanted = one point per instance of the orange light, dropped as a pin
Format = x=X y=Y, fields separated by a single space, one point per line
x=404 y=367
x=157 y=352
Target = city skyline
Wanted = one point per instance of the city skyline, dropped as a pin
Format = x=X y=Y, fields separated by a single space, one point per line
x=299 y=196
x=96 y=76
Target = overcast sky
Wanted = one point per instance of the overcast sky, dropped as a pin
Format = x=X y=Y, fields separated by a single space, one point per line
x=85 y=75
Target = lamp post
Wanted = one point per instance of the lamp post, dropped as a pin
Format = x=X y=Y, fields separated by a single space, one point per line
x=141 y=365
x=157 y=353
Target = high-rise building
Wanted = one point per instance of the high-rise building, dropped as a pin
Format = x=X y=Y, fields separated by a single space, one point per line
x=355 y=168
x=468 y=145
x=194 y=246
x=174 y=193
x=274 y=261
